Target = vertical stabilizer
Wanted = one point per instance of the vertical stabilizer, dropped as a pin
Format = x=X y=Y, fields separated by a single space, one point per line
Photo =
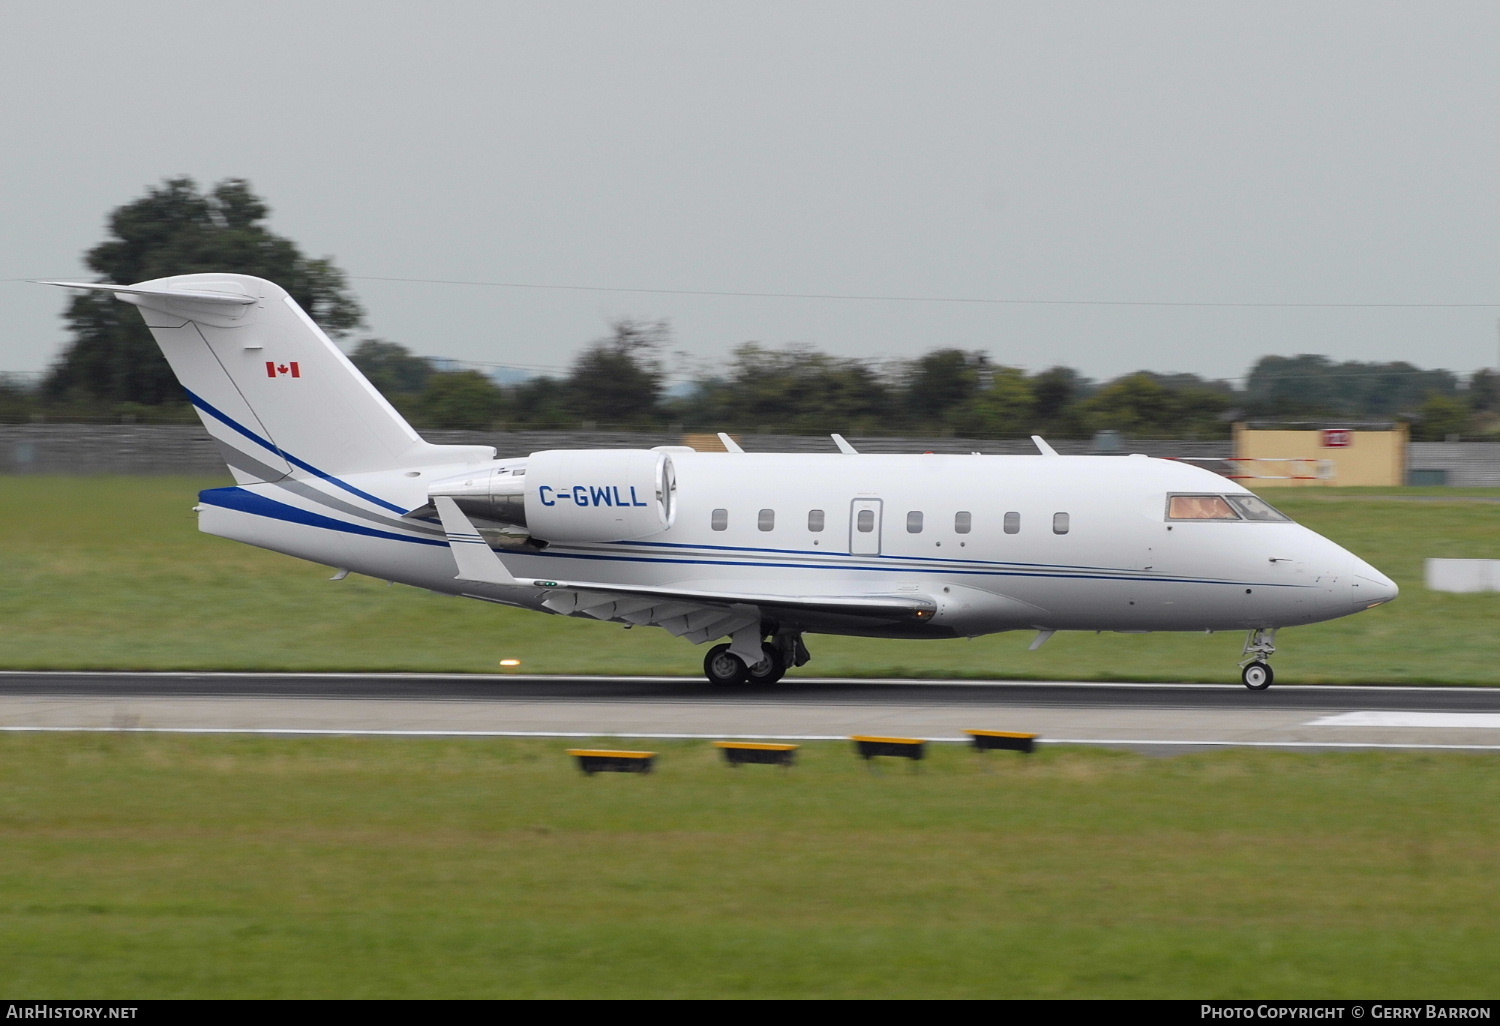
x=275 y=393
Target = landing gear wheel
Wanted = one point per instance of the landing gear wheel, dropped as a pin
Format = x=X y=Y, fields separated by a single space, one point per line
x=770 y=669
x=1257 y=676
x=724 y=669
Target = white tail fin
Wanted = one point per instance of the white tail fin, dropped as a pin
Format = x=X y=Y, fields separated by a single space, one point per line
x=272 y=389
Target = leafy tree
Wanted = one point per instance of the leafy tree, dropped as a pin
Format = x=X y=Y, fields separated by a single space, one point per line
x=1314 y=386
x=459 y=399
x=17 y=400
x=1057 y=391
x=176 y=229
x=618 y=379
x=1141 y=404
x=542 y=402
x=797 y=388
x=1005 y=409
x=941 y=380
x=392 y=368
x=1484 y=391
x=1440 y=416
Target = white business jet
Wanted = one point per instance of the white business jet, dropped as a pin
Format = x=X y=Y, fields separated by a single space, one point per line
x=758 y=549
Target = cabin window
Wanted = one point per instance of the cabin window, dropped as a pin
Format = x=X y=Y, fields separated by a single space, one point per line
x=767 y=520
x=1253 y=507
x=815 y=520
x=864 y=521
x=963 y=522
x=1012 y=523
x=719 y=521
x=1200 y=507
x=914 y=522
x=1059 y=523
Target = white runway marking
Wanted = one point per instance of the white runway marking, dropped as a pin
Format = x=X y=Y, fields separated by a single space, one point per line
x=531 y=678
x=334 y=732
x=1489 y=721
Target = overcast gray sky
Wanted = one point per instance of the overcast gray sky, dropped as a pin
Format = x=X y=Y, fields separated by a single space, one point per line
x=1319 y=151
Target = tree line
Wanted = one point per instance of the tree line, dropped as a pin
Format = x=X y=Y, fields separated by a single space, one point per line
x=619 y=381
x=113 y=370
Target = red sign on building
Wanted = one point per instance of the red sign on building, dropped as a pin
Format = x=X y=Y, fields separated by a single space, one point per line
x=1337 y=438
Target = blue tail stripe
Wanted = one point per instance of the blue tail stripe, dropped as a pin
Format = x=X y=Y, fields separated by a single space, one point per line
x=246 y=501
x=229 y=421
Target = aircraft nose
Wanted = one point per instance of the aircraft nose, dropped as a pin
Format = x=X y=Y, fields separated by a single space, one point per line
x=1377 y=587
x=1371 y=587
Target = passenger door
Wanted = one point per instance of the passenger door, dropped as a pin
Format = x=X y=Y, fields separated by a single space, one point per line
x=864 y=527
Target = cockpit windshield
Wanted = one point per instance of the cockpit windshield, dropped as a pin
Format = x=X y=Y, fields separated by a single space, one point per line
x=1254 y=508
x=1199 y=507
x=1222 y=508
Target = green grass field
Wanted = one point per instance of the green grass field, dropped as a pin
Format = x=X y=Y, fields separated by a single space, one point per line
x=136 y=866
x=111 y=573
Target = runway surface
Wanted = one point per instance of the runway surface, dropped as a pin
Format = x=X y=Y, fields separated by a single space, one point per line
x=1134 y=715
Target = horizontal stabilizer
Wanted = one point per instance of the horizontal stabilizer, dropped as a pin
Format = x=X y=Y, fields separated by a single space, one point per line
x=197 y=295
x=276 y=395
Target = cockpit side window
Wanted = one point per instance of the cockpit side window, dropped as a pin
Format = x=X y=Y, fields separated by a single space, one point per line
x=1252 y=507
x=1199 y=507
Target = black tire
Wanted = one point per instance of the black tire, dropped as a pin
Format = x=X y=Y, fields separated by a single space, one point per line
x=1257 y=676
x=770 y=669
x=724 y=669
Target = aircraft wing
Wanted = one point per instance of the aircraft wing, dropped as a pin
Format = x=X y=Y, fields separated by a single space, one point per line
x=696 y=614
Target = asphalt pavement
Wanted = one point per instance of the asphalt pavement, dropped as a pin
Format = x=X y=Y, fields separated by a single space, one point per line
x=1134 y=715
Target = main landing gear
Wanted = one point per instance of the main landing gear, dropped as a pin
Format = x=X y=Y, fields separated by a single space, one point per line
x=783 y=651
x=1255 y=669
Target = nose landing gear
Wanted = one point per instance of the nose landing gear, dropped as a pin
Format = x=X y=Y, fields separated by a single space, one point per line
x=1255 y=668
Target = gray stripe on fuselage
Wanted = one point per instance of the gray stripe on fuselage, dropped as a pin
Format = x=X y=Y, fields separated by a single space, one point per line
x=241 y=460
x=833 y=560
x=307 y=491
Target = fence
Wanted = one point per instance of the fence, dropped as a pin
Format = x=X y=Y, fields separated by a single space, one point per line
x=187 y=448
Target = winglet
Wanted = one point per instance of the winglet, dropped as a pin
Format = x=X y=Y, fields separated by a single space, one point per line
x=730 y=445
x=1041 y=444
x=844 y=446
x=476 y=560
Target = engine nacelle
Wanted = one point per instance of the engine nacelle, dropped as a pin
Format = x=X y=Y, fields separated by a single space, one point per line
x=584 y=495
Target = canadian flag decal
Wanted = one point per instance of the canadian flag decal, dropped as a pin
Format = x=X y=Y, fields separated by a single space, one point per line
x=275 y=370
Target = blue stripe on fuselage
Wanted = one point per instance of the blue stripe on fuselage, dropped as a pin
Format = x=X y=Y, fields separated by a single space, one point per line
x=245 y=501
x=944 y=561
x=1097 y=576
